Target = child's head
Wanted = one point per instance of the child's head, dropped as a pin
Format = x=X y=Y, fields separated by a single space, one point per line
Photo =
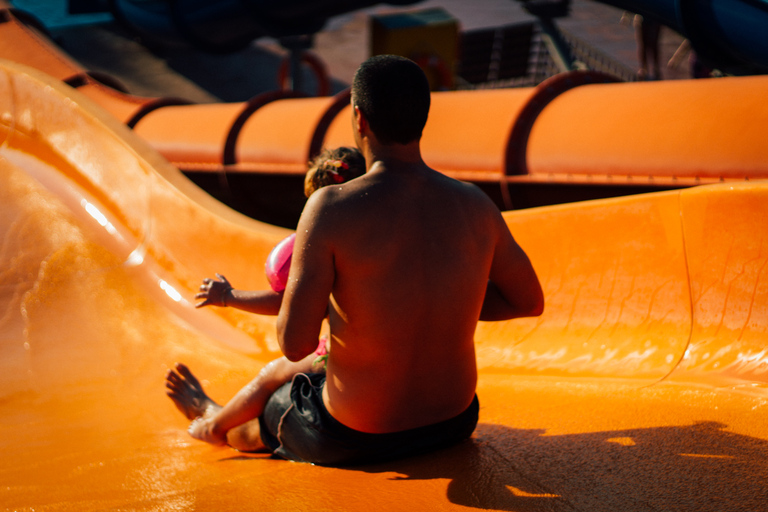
x=333 y=166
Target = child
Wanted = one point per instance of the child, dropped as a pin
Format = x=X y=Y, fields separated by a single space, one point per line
x=236 y=423
x=333 y=166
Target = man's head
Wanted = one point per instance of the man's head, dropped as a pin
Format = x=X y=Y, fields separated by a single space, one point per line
x=392 y=93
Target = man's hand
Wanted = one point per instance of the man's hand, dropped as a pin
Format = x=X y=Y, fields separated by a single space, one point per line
x=214 y=293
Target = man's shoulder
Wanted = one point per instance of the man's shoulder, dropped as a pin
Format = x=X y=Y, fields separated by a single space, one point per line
x=464 y=187
x=467 y=192
x=333 y=204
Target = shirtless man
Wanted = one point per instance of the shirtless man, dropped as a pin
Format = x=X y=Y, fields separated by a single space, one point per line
x=410 y=260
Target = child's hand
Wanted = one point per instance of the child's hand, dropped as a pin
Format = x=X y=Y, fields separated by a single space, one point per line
x=214 y=293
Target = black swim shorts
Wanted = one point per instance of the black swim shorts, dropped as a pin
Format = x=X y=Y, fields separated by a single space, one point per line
x=296 y=425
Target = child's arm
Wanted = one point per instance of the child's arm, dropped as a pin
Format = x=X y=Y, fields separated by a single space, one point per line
x=221 y=293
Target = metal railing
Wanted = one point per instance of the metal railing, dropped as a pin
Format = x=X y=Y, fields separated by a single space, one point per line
x=540 y=62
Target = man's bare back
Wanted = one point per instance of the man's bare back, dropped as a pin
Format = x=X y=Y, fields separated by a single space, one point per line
x=412 y=252
x=405 y=255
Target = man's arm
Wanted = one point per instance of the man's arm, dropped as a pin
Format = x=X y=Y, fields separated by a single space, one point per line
x=310 y=281
x=513 y=288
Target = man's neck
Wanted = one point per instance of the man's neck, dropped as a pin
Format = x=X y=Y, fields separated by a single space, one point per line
x=393 y=156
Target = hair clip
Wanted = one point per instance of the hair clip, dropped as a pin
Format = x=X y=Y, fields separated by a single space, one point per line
x=334 y=165
x=339 y=163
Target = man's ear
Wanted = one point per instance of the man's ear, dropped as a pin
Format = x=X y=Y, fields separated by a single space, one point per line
x=361 y=123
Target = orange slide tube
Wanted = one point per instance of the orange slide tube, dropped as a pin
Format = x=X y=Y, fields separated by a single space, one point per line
x=642 y=387
x=573 y=129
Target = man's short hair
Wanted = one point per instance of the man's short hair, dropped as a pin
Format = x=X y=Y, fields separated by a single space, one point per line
x=393 y=94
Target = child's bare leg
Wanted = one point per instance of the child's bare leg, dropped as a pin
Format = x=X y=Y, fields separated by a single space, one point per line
x=246 y=437
x=239 y=418
x=213 y=422
x=250 y=401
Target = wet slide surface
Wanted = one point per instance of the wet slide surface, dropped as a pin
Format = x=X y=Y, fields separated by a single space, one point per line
x=642 y=387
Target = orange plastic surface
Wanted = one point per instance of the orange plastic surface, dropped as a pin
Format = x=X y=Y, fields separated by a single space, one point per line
x=642 y=387
x=123 y=106
x=177 y=133
x=21 y=43
x=278 y=135
x=710 y=129
x=664 y=133
x=468 y=132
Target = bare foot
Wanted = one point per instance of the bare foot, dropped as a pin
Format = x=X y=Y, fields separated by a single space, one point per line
x=187 y=393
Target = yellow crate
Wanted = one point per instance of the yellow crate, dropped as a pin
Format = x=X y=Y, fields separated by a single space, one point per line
x=429 y=36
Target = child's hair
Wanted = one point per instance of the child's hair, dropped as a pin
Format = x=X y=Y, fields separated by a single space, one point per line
x=333 y=166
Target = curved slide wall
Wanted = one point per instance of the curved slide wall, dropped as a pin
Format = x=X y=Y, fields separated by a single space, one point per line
x=649 y=359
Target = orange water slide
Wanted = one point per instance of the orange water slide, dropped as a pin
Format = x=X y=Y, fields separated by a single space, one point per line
x=642 y=387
